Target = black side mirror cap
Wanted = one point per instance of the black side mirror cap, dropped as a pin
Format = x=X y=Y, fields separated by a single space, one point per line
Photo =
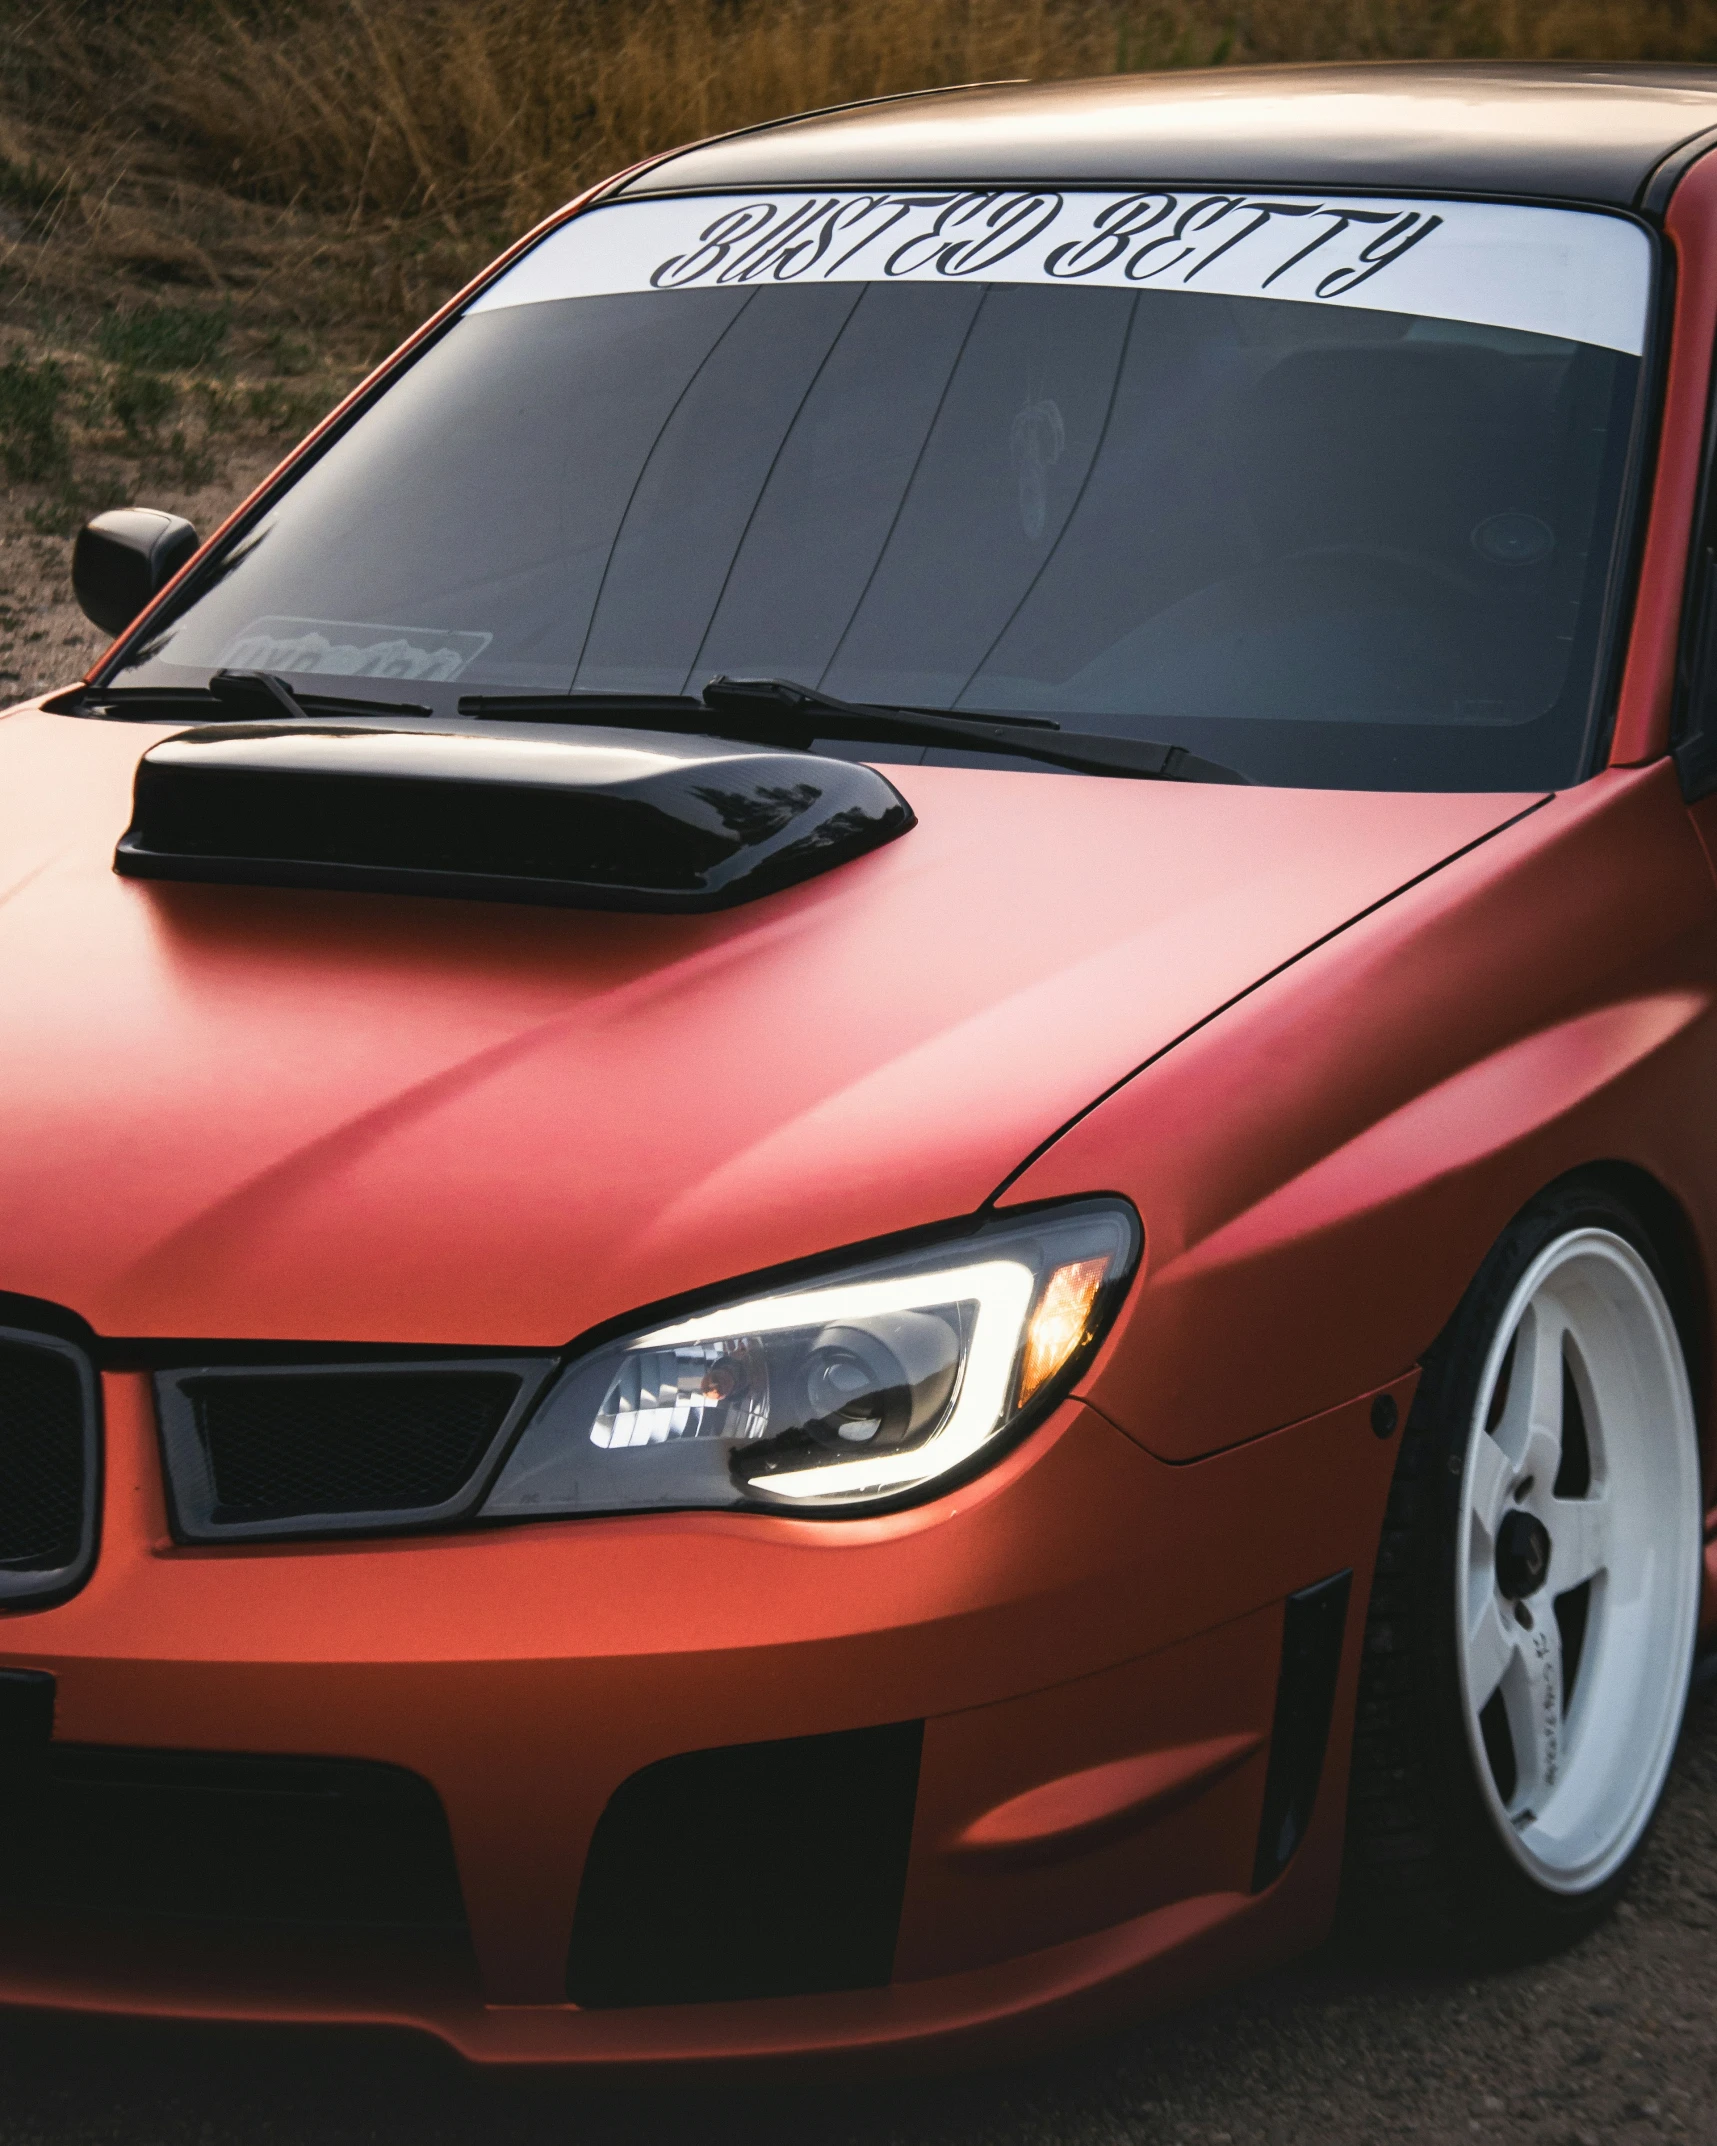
x=125 y=557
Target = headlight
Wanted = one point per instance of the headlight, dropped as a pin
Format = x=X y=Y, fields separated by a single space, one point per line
x=855 y=1387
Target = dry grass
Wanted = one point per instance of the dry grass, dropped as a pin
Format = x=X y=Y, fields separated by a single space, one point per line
x=483 y=113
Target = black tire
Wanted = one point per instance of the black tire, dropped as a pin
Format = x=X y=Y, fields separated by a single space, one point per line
x=1426 y=1870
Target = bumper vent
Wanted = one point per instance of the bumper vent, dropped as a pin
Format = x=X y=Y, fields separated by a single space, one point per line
x=755 y=1870
x=291 y=1450
x=48 y=1466
x=214 y=1837
x=1313 y=1624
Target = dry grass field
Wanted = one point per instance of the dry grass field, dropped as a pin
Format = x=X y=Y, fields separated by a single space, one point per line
x=478 y=111
x=214 y=214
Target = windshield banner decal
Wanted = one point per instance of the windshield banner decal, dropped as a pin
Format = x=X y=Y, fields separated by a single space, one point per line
x=1568 y=273
x=341 y=648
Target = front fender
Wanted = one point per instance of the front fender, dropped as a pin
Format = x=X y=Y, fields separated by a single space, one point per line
x=1323 y=1166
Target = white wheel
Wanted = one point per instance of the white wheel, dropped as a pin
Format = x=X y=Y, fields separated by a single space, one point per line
x=1578 y=1562
x=1530 y=1631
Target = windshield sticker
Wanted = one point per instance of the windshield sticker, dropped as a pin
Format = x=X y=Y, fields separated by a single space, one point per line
x=339 y=648
x=1569 y=273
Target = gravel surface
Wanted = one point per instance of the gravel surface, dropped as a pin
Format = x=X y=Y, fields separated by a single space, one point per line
x=1616 y=2041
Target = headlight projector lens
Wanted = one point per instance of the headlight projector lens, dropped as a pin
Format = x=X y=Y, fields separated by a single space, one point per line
x=884 y=1384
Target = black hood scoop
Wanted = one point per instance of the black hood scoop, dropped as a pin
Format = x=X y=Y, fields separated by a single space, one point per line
x=609 y=819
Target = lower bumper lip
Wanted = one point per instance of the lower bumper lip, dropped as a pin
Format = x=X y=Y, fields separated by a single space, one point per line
x=1052 y=1618
x=1153 y=1961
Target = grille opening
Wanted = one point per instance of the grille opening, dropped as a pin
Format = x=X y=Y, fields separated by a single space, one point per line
x=43 y=1459
x=279 y=1446
x=229 y=1838
x=755 y=1870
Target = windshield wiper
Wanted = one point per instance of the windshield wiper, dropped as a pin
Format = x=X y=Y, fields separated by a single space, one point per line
x=251 y=697
x=813 y=714
x=776 y=711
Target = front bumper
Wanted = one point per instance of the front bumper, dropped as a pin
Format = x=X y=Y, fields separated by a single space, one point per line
x=1080 y=1606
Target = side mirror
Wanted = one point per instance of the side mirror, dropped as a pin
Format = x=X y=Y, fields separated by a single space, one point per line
x=123 y=558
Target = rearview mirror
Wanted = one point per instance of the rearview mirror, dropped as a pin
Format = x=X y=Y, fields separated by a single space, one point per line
x=123 y=558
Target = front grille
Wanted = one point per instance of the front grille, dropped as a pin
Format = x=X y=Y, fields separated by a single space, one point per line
x=756 y=1870
x=296 y=1449
x=367 y=1442
x=47 y=1464
x=225 y=1837
x=41 y=1458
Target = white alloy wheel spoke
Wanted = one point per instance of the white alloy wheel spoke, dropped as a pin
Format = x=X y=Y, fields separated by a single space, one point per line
x=1492 y=1640
x=1489 y=1483
x=1532 y=1695
x=1579 y=1540
x=1539 y=1463
x=1530 y=1431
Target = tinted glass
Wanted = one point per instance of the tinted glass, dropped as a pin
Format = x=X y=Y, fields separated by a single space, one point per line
x=1328 y=545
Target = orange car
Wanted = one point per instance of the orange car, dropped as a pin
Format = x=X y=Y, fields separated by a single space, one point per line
x=857 y=1111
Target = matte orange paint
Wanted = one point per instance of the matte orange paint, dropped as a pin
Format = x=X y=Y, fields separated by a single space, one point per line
x=1323 y=1182
x=1064 y=1816
x=243 y=1112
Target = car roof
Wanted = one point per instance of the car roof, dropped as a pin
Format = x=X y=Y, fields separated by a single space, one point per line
x=1546 y=132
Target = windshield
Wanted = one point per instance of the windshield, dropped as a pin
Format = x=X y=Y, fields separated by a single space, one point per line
x=1324 y=490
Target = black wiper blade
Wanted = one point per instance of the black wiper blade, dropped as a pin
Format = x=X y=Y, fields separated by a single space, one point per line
x=255 y=697
x=265 y=697
x=251 y=697
x=805 y=713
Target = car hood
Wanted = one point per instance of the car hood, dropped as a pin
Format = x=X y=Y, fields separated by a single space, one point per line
x=248 y=1113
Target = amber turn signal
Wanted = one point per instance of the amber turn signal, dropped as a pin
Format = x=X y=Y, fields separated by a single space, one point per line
x=1060 y=1322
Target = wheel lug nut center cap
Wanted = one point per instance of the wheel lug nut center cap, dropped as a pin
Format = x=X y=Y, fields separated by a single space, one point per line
x=1522 y=1555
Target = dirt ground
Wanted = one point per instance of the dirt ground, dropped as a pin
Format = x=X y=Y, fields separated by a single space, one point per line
x=1616 y=2041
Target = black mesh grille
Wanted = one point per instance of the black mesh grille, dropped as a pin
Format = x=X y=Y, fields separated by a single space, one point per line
x=365 y=1442
x=219 y=1837
x=41 y=1459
